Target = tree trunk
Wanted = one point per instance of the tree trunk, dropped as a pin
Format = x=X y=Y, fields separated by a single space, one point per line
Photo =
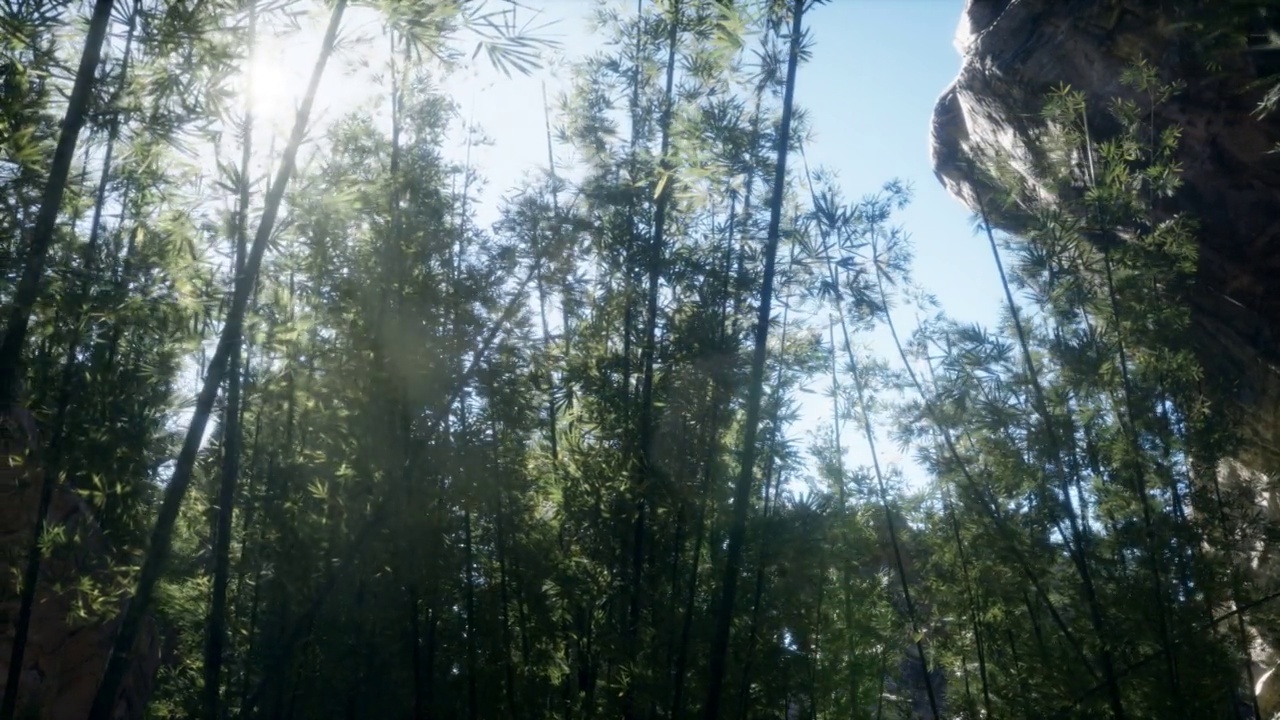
x=162 y=534
x=42 y=235
x=24 y=302
x=473 y=664
x=1077 y=536
x=742 y=491
x=645 y=468
x=231 y=434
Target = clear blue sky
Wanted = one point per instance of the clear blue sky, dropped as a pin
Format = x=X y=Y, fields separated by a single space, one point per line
x=877 y=69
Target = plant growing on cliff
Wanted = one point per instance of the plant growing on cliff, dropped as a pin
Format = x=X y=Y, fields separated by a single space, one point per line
x=1112 y=395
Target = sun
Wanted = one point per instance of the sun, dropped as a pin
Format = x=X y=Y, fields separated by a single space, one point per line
x=272 y=85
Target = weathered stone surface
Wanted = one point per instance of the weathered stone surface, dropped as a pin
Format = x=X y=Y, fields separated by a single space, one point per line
x=989 y=120
x=1016 y=51
x=64 y=658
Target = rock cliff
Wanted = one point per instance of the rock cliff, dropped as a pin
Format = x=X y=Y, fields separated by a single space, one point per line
x=1014 y=52
x=67 y=648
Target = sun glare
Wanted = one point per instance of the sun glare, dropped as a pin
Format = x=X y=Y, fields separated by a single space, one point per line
x=274 y=85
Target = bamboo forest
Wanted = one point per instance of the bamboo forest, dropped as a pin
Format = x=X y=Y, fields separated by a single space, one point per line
x=305 y=418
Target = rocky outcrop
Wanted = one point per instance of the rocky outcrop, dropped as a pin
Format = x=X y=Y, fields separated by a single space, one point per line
x=67 y=647
x=1016 y=51
x=989 y=122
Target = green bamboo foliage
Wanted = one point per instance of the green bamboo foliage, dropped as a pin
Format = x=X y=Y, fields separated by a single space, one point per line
x=555 y=467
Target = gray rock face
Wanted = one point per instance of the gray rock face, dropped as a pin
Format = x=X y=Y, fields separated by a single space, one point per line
x=1016 y=51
